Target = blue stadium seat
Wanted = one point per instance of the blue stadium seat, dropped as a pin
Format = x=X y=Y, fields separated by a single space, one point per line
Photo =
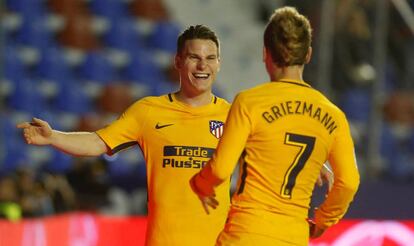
x=143 y=68
x=52 y=117
x=16 y=154
x=111 y=9
x=164 y=36
x=53 y=65
x=27 y=8
x=356 y=104
x=7 y=127
x=411 y=143
x=117 y=166
x=34 y=32
x=397 y=154
x=97 y=67
x=71 y=98
x=14 y=68
x=26 y=96
x=123 y=35
x=389 y=145
x=8 y=137
x=124 y=174
x=59 y=162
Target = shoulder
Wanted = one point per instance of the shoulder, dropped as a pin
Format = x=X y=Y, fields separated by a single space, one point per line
x=156 y=99
x=335 y=110
x=333 y=106
x=221 y=102
x=250 y=93
x=255 y=90
x=150 y=101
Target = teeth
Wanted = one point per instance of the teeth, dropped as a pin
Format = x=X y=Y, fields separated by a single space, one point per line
x=201 y=75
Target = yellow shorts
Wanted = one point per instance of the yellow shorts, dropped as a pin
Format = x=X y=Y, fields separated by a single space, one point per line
x=257 y=227
x=247 y=239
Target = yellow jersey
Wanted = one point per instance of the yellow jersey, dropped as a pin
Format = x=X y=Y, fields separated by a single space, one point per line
x=287 y=131
x=177 y=140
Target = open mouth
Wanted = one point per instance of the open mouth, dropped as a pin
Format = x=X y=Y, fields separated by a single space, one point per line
x=201 y=75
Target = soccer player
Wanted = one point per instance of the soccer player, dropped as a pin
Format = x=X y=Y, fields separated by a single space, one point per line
x=287 y=130
x=177 y=134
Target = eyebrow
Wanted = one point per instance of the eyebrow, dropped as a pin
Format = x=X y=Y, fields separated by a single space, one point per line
x=208 y=56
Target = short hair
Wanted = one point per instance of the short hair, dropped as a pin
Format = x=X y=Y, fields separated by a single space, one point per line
x=288 y=37
x=197 y=32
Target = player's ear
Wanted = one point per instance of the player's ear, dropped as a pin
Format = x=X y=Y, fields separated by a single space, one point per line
x=177 y=61
x=264 y=55
x=308 y=55
x=267 y=56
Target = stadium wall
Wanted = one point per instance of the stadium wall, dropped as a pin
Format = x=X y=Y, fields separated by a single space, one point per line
x=86 y=229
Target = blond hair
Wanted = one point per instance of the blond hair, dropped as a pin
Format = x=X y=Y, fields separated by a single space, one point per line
x=288 y=37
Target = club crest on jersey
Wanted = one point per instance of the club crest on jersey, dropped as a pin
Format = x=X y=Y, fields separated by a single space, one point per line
x=216 y=128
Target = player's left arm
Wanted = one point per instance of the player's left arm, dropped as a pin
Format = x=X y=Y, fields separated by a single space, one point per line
x=346 y=180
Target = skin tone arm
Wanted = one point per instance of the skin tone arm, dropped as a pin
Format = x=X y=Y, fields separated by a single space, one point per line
x=315 y=231
x=39 y=132
x=326 y=175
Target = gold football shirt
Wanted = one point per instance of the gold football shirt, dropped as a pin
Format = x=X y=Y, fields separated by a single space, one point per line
x=177 y=141
x=287 y=131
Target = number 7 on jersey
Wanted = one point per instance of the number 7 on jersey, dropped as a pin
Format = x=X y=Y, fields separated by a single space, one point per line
x=306 y=144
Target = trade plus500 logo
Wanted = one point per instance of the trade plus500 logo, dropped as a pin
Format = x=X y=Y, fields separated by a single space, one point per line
x=186 y=156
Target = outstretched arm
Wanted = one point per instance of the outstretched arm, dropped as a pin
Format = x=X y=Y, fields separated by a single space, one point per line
x=39 y=132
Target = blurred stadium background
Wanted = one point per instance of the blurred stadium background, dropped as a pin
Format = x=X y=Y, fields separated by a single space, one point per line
x=79 y=63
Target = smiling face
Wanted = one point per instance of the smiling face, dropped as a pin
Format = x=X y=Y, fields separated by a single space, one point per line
x=197 y=64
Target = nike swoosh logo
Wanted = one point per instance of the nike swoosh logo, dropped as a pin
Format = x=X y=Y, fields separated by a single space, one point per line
x=158 y=126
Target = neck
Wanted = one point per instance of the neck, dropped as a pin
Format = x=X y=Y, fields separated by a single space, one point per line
x=194 y=100
x=290 y=72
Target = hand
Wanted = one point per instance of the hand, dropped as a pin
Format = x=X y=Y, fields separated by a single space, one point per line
x=314 y=230
x=206 y=195
x=37 y=132
x=326 y=175
x=208 y=201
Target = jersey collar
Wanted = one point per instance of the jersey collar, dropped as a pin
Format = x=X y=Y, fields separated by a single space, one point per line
x=194 y=110
x=172 y=97
x=294 y=82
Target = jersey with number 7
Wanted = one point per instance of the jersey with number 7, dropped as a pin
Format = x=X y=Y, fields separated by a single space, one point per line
x=288 y=130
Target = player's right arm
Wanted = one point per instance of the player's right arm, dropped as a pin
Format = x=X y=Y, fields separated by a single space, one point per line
x=226 y=156
x=39 y=132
